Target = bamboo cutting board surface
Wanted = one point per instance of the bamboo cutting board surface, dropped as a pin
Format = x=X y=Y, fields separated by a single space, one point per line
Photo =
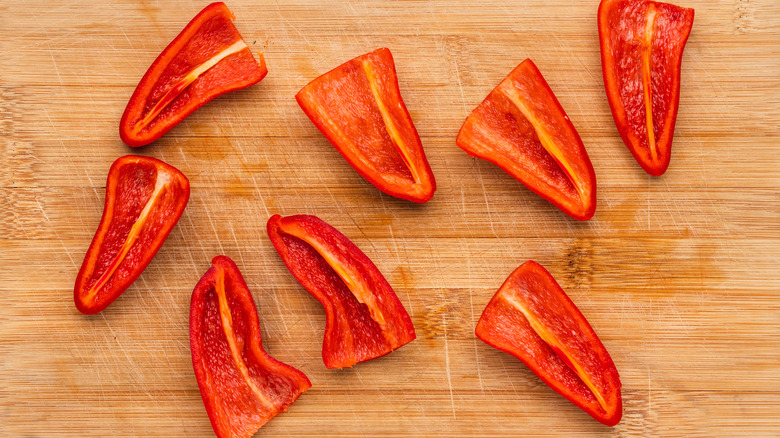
x=678 y=274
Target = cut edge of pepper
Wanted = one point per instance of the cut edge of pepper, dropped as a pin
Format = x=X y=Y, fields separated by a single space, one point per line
x=392 y=131
x=163 y=179
x=227 y=326
x=185 y=82
x=550 y=340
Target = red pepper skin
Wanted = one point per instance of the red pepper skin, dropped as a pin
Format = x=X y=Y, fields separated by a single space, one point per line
x=364 y=318
x=532 y=318
x=242 y=386
x=359 y=109
x=642 y=44
x=144 y=199
x=166 y=88
x=522 y=128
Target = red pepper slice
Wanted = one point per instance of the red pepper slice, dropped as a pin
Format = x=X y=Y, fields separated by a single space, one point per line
x=642 y=44
x=144 y=199
x=364 y=318
x=522 y=128
x=532 y=318
x=206 y=60
x=242 y=386
x=358 y=107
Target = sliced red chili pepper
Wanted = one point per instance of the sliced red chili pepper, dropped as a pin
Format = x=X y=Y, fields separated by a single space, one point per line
x=642 y=44
x=358 y=107
x=522 y=128
x=144 y=199
x=532 y=318
x=364 y=318
x=206 y=60
x=242 y=386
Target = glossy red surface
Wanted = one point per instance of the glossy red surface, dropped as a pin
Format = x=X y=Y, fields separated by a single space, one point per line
x=206 y=36
x=642 y=45
x=364 y=318
x=522 y=128
x=359 y=109
x=132 y=181
x=240 y=391
x=532 y=318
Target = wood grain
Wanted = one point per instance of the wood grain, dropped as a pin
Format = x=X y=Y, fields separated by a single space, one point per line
x=677 y=274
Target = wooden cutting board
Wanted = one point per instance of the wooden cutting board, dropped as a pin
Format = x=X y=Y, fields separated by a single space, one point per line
x=677 y=274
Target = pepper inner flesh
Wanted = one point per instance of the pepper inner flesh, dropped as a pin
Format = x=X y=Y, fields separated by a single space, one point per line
x=162 y=181
x=363 y=296
x=185 y=82
x=647 y=45
x=553 y=342
x=544 y=137
x=395 y=136
x=235 y=349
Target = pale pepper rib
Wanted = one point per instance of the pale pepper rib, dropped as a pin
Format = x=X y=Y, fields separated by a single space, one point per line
x=647 y=45
x=548 y=338
x=544 y=138
x=185 y=82
x=363 y=297
x=227 y=326
x=162 y=180
x=395 y=136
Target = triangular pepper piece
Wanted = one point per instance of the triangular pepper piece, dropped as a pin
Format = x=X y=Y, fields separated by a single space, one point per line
x=242 y=386
x=358 y=107
x=206 y=60
x=144 y=199
x=364 y=318
x=532 y=318
x=642 y=44
x=522 y=128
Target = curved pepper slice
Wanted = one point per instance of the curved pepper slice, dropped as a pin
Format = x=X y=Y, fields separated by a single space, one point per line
x=364 y=318
x=642 y=44
x=144 y=199
x=358 y=107
x=206 y=60
x=532 y=318
x=242 y=386
x=522 y=128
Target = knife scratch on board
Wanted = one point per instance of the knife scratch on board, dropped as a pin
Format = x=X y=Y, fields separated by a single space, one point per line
x=473 y=319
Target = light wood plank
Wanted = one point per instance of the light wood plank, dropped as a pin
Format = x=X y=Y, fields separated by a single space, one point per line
x=677 y=274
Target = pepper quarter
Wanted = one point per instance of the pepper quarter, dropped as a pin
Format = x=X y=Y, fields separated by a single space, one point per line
x=206 y=60
x=358 y=107
x=532 y=318
x=144 y=199
x=642 y=44
x=242 y=386
x=522 y=128
x=364 y=318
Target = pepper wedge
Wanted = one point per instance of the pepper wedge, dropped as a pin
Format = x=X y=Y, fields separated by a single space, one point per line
x=522 y=128
x=642 y=44
x=206 y=60
x=242 y=386
x=358 y=107
x=532 y=318
x=364 y=318
x=144 y=199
